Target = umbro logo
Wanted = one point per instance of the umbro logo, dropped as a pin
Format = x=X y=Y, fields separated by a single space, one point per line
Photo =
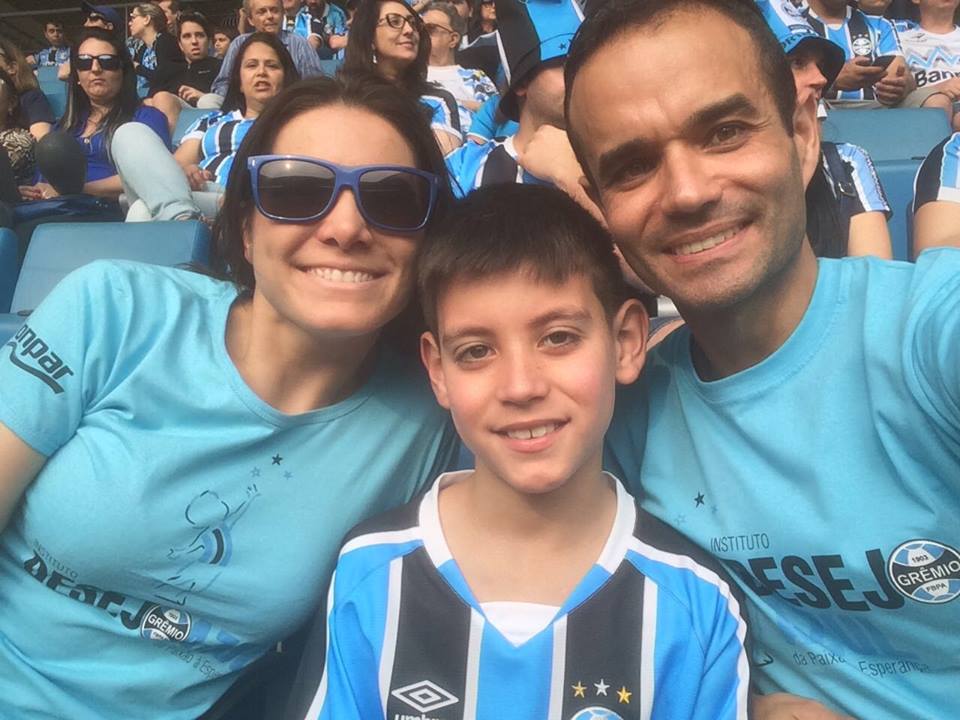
x=424 y=696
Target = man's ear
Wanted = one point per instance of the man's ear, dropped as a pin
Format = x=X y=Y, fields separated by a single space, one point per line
x=806 y=137
x=430 y=355
x=630 y=326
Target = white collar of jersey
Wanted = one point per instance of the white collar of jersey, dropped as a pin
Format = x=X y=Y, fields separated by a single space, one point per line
x=510 y=147
x=614 y=550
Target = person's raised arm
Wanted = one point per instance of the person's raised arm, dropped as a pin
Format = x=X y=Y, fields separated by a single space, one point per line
x=20 y=466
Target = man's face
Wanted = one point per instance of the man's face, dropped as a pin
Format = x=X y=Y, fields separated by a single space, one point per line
x=54 y=34
x=699 y=181
x=99 y=21
x=874 y=7
x=265 y=15
x=167 y=8
x=194 y=42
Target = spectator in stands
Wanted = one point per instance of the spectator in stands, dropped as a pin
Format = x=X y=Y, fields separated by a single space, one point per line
x=478 y=47
x=875 y=74
x=326 y=28
x=446 y=28
x=847 y=210
x=18 y=161
x=101 y=16
x=193 y=82
x=102 y=95
x=265 y=16
x=190 y=183
x=171 y=10
x=936 y=198
x=823 y=391
x=57 y=52
x=387 y=38
x=34 y=111
x=158 y=60
x=873 y=7
x=222 y=37
x=535 y=36
x=292 y=9
x=932 y=51
x=173 y=457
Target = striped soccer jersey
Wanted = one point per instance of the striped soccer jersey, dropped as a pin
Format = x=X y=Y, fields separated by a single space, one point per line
x=220 y=135
x=854 y=179
x=859 y=35
x=473 y=166
x=653 y=630
x=938 y=178
x=445 y=111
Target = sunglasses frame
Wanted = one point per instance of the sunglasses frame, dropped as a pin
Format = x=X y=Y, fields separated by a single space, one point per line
x=343 y=177
x=84 y=58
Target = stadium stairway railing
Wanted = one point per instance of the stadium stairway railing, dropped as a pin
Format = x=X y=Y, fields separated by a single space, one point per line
x=897 y=140
x=8 y=267
x=57 y=249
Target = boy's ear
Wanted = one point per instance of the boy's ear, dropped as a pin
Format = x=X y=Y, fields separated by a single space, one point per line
x=630 y=326
x=430 y=355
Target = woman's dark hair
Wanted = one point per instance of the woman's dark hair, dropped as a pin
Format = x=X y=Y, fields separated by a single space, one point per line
x=78 y=104
x=7 y=85
x=537 y=230
x=359 y=57
x=363 y=92
x=223 y=29
x=234 y=99
x=24 y=79
x=827 y=227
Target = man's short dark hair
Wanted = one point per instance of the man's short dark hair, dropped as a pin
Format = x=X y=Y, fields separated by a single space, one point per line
x=55 y=23
x=614 y=18
x=194 y=17
x=535 y=229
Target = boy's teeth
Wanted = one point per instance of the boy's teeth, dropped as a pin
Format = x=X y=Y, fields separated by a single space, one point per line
x=530 y=433
x=345 y=276
x=701 y=245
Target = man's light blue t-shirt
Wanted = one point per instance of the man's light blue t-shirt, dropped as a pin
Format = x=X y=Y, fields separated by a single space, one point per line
x=827 y=477
x=181 y=526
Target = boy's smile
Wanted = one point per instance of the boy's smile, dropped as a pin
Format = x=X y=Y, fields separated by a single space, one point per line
x=528 y=369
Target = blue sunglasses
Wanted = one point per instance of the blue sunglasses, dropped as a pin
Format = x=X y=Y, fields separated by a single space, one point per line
x=298 y=189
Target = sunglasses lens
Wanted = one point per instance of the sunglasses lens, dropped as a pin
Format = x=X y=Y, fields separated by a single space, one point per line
x=395 y=199
x=109 y=62
x=84 y=62
x=294 y=189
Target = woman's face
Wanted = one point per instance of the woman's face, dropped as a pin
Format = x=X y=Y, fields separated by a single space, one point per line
x=336 y=276
x=138 y=23
x=807 y=75
x=101 y=86
x=220 y=44
x=488 y=11
x=261 y=75
x=396 y=45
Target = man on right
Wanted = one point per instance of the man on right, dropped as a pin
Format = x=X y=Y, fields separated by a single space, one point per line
x=804 y=425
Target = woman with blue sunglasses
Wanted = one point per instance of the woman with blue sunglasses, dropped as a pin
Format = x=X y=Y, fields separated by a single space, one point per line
x=183 y=454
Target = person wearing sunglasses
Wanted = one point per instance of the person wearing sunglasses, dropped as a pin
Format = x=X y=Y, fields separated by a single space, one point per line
x=190 y=183
x=101 y=96
x=387 y=38
x=176 y=484
x=470 y=87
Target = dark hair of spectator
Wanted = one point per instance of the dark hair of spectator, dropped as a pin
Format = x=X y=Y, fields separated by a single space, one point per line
x=228 y=30
x=363 y=92
x=360 y=54
x=55 y=23
x=827 y=228
x=154 y=13
x=537 y=230
x=614 y=18
x=174 y=6
x=78 y=104
x=23 y=79
x=197 y=19
x=9 y=88
x=235 y=99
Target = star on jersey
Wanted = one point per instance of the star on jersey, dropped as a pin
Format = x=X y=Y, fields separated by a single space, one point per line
x=579 y=689
x=624 y=695
x=601 y=687
x=255 y=472
x=698 y=499
x=287 y=475
x=277 y=459
x=680 y=519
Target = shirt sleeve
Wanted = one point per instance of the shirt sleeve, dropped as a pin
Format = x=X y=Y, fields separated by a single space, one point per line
x=60 y=361
x=870 y=194
x=304 y=57
x=938 y=178
x=463 y=165
x=35 y=108
x=219 y=85
x=888 y=42
x=199 y=127
x=443 y=116
x=484 y=124
x=156 y=121
x=933 y=337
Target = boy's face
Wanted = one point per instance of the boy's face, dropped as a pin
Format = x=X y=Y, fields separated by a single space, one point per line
x=528 y=371
x=54 y=34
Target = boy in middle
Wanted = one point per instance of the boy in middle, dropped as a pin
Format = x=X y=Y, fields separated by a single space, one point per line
x=531 y=586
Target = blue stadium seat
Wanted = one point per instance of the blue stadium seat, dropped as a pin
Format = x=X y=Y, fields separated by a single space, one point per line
x=8 y=267
x=47 y=75
x=188 y=116
x=897 y=176
x=888 y=134
x=330 y=67
x=57 y=249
